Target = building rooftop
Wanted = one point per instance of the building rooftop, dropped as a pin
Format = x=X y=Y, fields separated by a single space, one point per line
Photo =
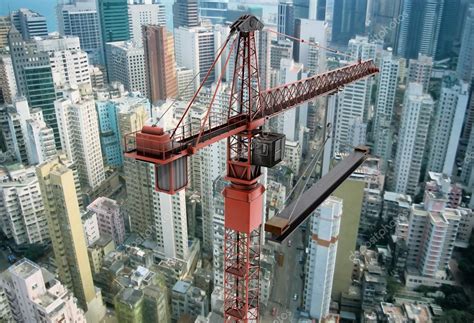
x=130 y=296
x=24 y=268
x=181 y=287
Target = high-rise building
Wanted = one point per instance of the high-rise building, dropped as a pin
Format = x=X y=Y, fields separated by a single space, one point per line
x=467 y=171
x=69 y=64
x=263 y=47
x=160 y=68
x=384 y=104
x=29 y=23
x=114 y=21
x=214 y=11
x=110 y=139
x=449 y=28
x=80 y=140
x=36 y=295
x=188 y=301
x=28 y=137
x=292 y=121
x=80 y=19
x=412 y=139
x=144 y=12
x=195 y=49
x=309 y=30
x=448 y=121
x=280 y=49
x=59 y=194
x=126 y=65
x=34 y=78
x=184 y=78
x=382 y=19
x=432 y=234
x=465 y=67
x=345 y=19
x=90 y=227
x=353 y=102
x=23 y=216
x=185 y=13
x=418 y=31
x=419 y=71
x=4 y=28
x=8 y=88
x=286 y=19
x=322 y=246
x=109 y=218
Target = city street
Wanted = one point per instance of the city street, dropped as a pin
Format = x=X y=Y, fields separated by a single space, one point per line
x=287 y=282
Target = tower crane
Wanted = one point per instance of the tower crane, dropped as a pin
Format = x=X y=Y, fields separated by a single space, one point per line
x=249 y=149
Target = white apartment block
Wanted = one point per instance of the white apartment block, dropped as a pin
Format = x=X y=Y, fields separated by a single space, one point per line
x=7 y=79
x=415 y=122
x=22 y=214
x=144 y=12
x=293 y=156
x=126 y=64
x=69 y=63
x=448 y=123
x=321 y=262
x=290 y=122
x=35 y=295
x=90 y=227
x=79 y=132
x=386 y=90
x=353 y=102
x=432 y=234
x=184 y=77
x=195 y=49
x=32 y=141
x=419 y=71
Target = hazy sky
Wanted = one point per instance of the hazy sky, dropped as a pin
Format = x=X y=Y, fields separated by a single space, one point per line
x=45 y=7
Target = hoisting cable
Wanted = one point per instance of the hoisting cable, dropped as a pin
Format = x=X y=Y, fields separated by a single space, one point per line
x=311 y=43
x=313 y=163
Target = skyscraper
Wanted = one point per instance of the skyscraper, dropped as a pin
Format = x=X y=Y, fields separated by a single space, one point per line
x=144 y=12
x=213 y=10
x=69 y=64
x=80 y=19
x=432 y=234
x=8 y=88
x=185 y=13
x=324 y=228
x=345 y=19
x=412 y=139
x=67 y=236
x=353 y=102
x=418 y=31
x=114 y=21
x=419 y=71
x=286 y=18
x=448 y=29
x=386 y=90
x=447 y=126
x=34 y=77
x=195 y=49
x=23 y=216
x=79 y=128
x=4 y=28
x=160 y=64
x=126 y=65
x=465 y=68
x=29 y=23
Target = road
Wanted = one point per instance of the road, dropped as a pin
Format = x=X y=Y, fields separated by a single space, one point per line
x=287 y=281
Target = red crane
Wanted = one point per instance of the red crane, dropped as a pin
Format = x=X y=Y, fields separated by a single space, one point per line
x=248 y=149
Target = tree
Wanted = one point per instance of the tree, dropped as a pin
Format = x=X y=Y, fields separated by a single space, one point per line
x=455 y=316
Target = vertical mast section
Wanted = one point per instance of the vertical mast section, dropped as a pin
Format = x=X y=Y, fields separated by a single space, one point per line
x=243 y=198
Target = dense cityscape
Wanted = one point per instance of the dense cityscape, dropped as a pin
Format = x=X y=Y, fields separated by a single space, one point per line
x=204 y=161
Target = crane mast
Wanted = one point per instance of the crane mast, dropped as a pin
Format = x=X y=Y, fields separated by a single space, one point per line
x=249 y=107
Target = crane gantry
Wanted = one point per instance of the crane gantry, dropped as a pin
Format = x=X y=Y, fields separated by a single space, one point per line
x=249 y=149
